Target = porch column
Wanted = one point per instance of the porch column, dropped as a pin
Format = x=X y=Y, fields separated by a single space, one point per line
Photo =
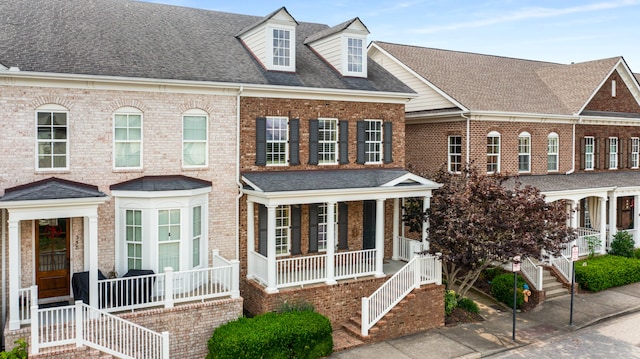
x=613 y=216
x=426 y=203
x=331 y=242
x=271 y=250
x=603 y=222
x=251 y=238
x=573 y=222
x=636 y=218
x=379 y=237
x=14 y=275
x=93 y=260
x=397 y=219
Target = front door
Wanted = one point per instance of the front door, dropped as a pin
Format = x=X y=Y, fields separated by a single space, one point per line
x=369 y=225
x=52 y=257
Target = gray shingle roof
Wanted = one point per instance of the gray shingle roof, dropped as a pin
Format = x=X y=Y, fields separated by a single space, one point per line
x=282 y=181
x=51 y=188
x=496 y=83
x=146 y=40
x=161 y=183
x=332 y=30
x=577 y=181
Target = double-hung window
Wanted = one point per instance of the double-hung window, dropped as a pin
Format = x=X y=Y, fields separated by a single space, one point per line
x=133 y=238
x=52 y=139
x=355 y=56
x=373 y=141
x=493 y=152
x=589 y=153
x=127 y=138
x=281 y=47
x=323 y=225
x=455 y=154
x=524 y=152
x=635 y=153
x=194 y=139
x=613 y=153
x=552 y=152
x=169 y=238
x=328 y=141
x=283 y=229
x=196 y=235
x=277 y=140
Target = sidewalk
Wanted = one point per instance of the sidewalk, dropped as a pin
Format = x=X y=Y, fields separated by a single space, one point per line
x=494 y=334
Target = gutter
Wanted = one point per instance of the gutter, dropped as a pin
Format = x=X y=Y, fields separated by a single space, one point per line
x=238 y=183
x=573 y=148
x=468 y=138
x=4 y=272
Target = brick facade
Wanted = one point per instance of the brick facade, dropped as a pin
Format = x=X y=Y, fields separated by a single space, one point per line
x=623 y=101
x=601 y=133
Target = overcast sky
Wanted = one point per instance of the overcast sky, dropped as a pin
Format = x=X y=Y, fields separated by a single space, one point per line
x=546 y=30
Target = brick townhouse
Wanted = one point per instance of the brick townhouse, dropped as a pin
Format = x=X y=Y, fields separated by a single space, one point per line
x=571 y=130
x=167 y=166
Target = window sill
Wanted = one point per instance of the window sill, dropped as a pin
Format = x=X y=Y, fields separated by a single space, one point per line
x=53 y=171
x=127 y=170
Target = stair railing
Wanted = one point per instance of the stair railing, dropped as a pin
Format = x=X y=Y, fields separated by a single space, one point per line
x=533 y=272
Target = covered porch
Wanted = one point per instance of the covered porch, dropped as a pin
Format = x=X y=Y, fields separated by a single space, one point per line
x=310 y=227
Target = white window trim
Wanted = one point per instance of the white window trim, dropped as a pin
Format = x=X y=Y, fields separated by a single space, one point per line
x=613 y=155
x=556 y=138
x=127 y=242
x=269 y=48
x=286 y=228
x=345 y=56
x=59 y=109
x=450 y=154
x=590 y=154
x=499 y=154
x=196 y=112
x=367 y=142
x=635 y=152
x=128 y=111
x=322 y=220
x=335 y=142
x=198 y=237
x=286 y=143
x=525 y=136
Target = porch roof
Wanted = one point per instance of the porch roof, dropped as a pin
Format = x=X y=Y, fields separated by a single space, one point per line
x=51 y=188
x=313 y=186
x=591 y=181
x=161 y=183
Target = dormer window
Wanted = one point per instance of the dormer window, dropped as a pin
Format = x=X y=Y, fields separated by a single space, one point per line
x=354 y=55
x=281 y=47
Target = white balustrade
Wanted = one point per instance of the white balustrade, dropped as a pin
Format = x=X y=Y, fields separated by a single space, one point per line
x=301 y=270
x=355 y=263
x=563 y=265
x=409 y=248
x=533 y=272
x=258 y=265
x=25 y=298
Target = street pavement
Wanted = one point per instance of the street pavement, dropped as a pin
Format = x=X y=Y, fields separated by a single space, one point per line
x=546 y=323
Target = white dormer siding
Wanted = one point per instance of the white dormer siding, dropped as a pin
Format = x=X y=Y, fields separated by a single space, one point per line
x=273 y=41
x=344 y=47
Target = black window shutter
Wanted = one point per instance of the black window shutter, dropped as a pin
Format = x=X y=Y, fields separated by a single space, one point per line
x=295 y=230
x=629 y=147
x=387 y=135
x=343 y=225
x=261 y=141
x=313 y=228
x=596 y=154
x=344 y=142
x=262 y=230
x=582 y=153
x=294 y=141
x=313 y=142
x=607 y=144
x=360 y=132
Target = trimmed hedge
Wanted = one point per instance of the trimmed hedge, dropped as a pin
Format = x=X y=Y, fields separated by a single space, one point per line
x=607 y=271
x=296 y=334
x=502 y=289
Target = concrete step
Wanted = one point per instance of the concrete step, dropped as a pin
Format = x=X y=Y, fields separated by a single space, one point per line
x=558 y=292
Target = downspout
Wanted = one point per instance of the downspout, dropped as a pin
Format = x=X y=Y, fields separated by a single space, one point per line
x=573 y=149
x=468 y=138
x=4 y=273
x=238 y=183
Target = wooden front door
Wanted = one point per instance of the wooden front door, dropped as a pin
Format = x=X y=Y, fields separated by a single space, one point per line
x=52 y=257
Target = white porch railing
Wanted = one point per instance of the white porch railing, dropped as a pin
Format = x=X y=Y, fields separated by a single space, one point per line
x=582 y=241
x=81 y=324
x=355 y=264
x=408 y=248
x=25 y=297
x=301 y=270
x=257 y=267
x=563 y=264
x=533 y=272
x=419 y=270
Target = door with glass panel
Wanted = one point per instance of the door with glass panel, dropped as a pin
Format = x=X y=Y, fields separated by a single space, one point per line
x=52 y=257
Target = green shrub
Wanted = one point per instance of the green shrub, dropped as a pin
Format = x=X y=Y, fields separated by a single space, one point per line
x=607 y=271
x=636 y=253
x=294 y=334
x=450 y=301
x=18 y=352
x=502 y=289
x=622 y=245
x=468 y=305
x=491 y=273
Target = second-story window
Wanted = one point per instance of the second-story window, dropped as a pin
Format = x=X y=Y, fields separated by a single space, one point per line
x=373 y=141
x=281 y=47
x=613 y=153
x=552 y=152
x=277 y=138
x=327 y=141
x=127 y=138
x=194 y=139
x=589 y=153
x=524 y=152
x=634 y=157
x=455 y=154
x=52 y=140
x=493 y=152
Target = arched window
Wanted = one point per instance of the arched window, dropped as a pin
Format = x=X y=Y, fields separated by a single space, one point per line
x=552 y=152
x=493 y=152
x=524 y=152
